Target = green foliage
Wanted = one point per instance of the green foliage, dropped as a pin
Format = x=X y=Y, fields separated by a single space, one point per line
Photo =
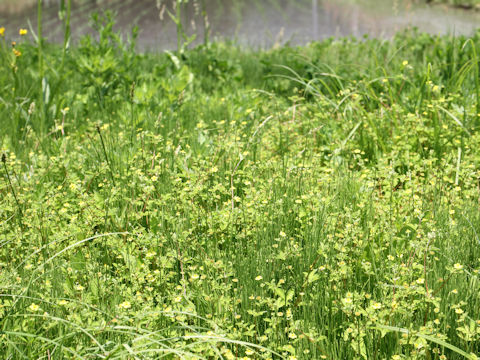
x=318 y=202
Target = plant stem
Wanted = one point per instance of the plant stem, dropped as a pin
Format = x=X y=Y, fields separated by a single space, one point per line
x=66 y=37
x=4 y=161
x=105 y=154
x=40 y=41
x=178 y=9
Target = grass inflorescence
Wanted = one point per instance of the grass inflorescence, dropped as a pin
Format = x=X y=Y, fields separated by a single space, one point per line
x=318 y=202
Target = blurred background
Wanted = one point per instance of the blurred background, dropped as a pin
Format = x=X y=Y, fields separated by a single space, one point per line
x=259 y=23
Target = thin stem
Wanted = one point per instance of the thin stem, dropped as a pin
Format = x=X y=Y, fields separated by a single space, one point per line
x=178 y=9
x=40 y=40
x=105 y=154
x=4 y=161
x=66 y=37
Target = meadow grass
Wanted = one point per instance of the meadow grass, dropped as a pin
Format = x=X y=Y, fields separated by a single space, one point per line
x=467 y=4
x=317 y=202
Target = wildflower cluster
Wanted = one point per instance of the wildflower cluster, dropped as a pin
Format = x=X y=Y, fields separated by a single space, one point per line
x=314 y=210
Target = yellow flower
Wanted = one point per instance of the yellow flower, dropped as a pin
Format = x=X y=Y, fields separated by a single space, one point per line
x=16 y=53
x=376 y=306
x=458 y=266
x=2 y=31
x=347 y=300
x=125 y=305
x=23 y=32
x=34 y=307
x=258 y=278
x=459 y=311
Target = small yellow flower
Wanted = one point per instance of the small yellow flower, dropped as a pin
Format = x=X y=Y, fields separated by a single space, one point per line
x=125 y=305
x=376 y=306
x=347 y=301
x=2 y=31
x=292 y=336
x=458 y=311
x=63 y=302
x=23 y=32
x=79 y=287
x=458 y=266
x=34 y=307
x=258 y=278
x=405 y=63
x=17 y=53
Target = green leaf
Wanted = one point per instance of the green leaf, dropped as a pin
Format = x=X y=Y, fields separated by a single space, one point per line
x=313 y=276
x=429 y=338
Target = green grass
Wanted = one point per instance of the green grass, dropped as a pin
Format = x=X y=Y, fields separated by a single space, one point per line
x=312 y=202
x=458 y=3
